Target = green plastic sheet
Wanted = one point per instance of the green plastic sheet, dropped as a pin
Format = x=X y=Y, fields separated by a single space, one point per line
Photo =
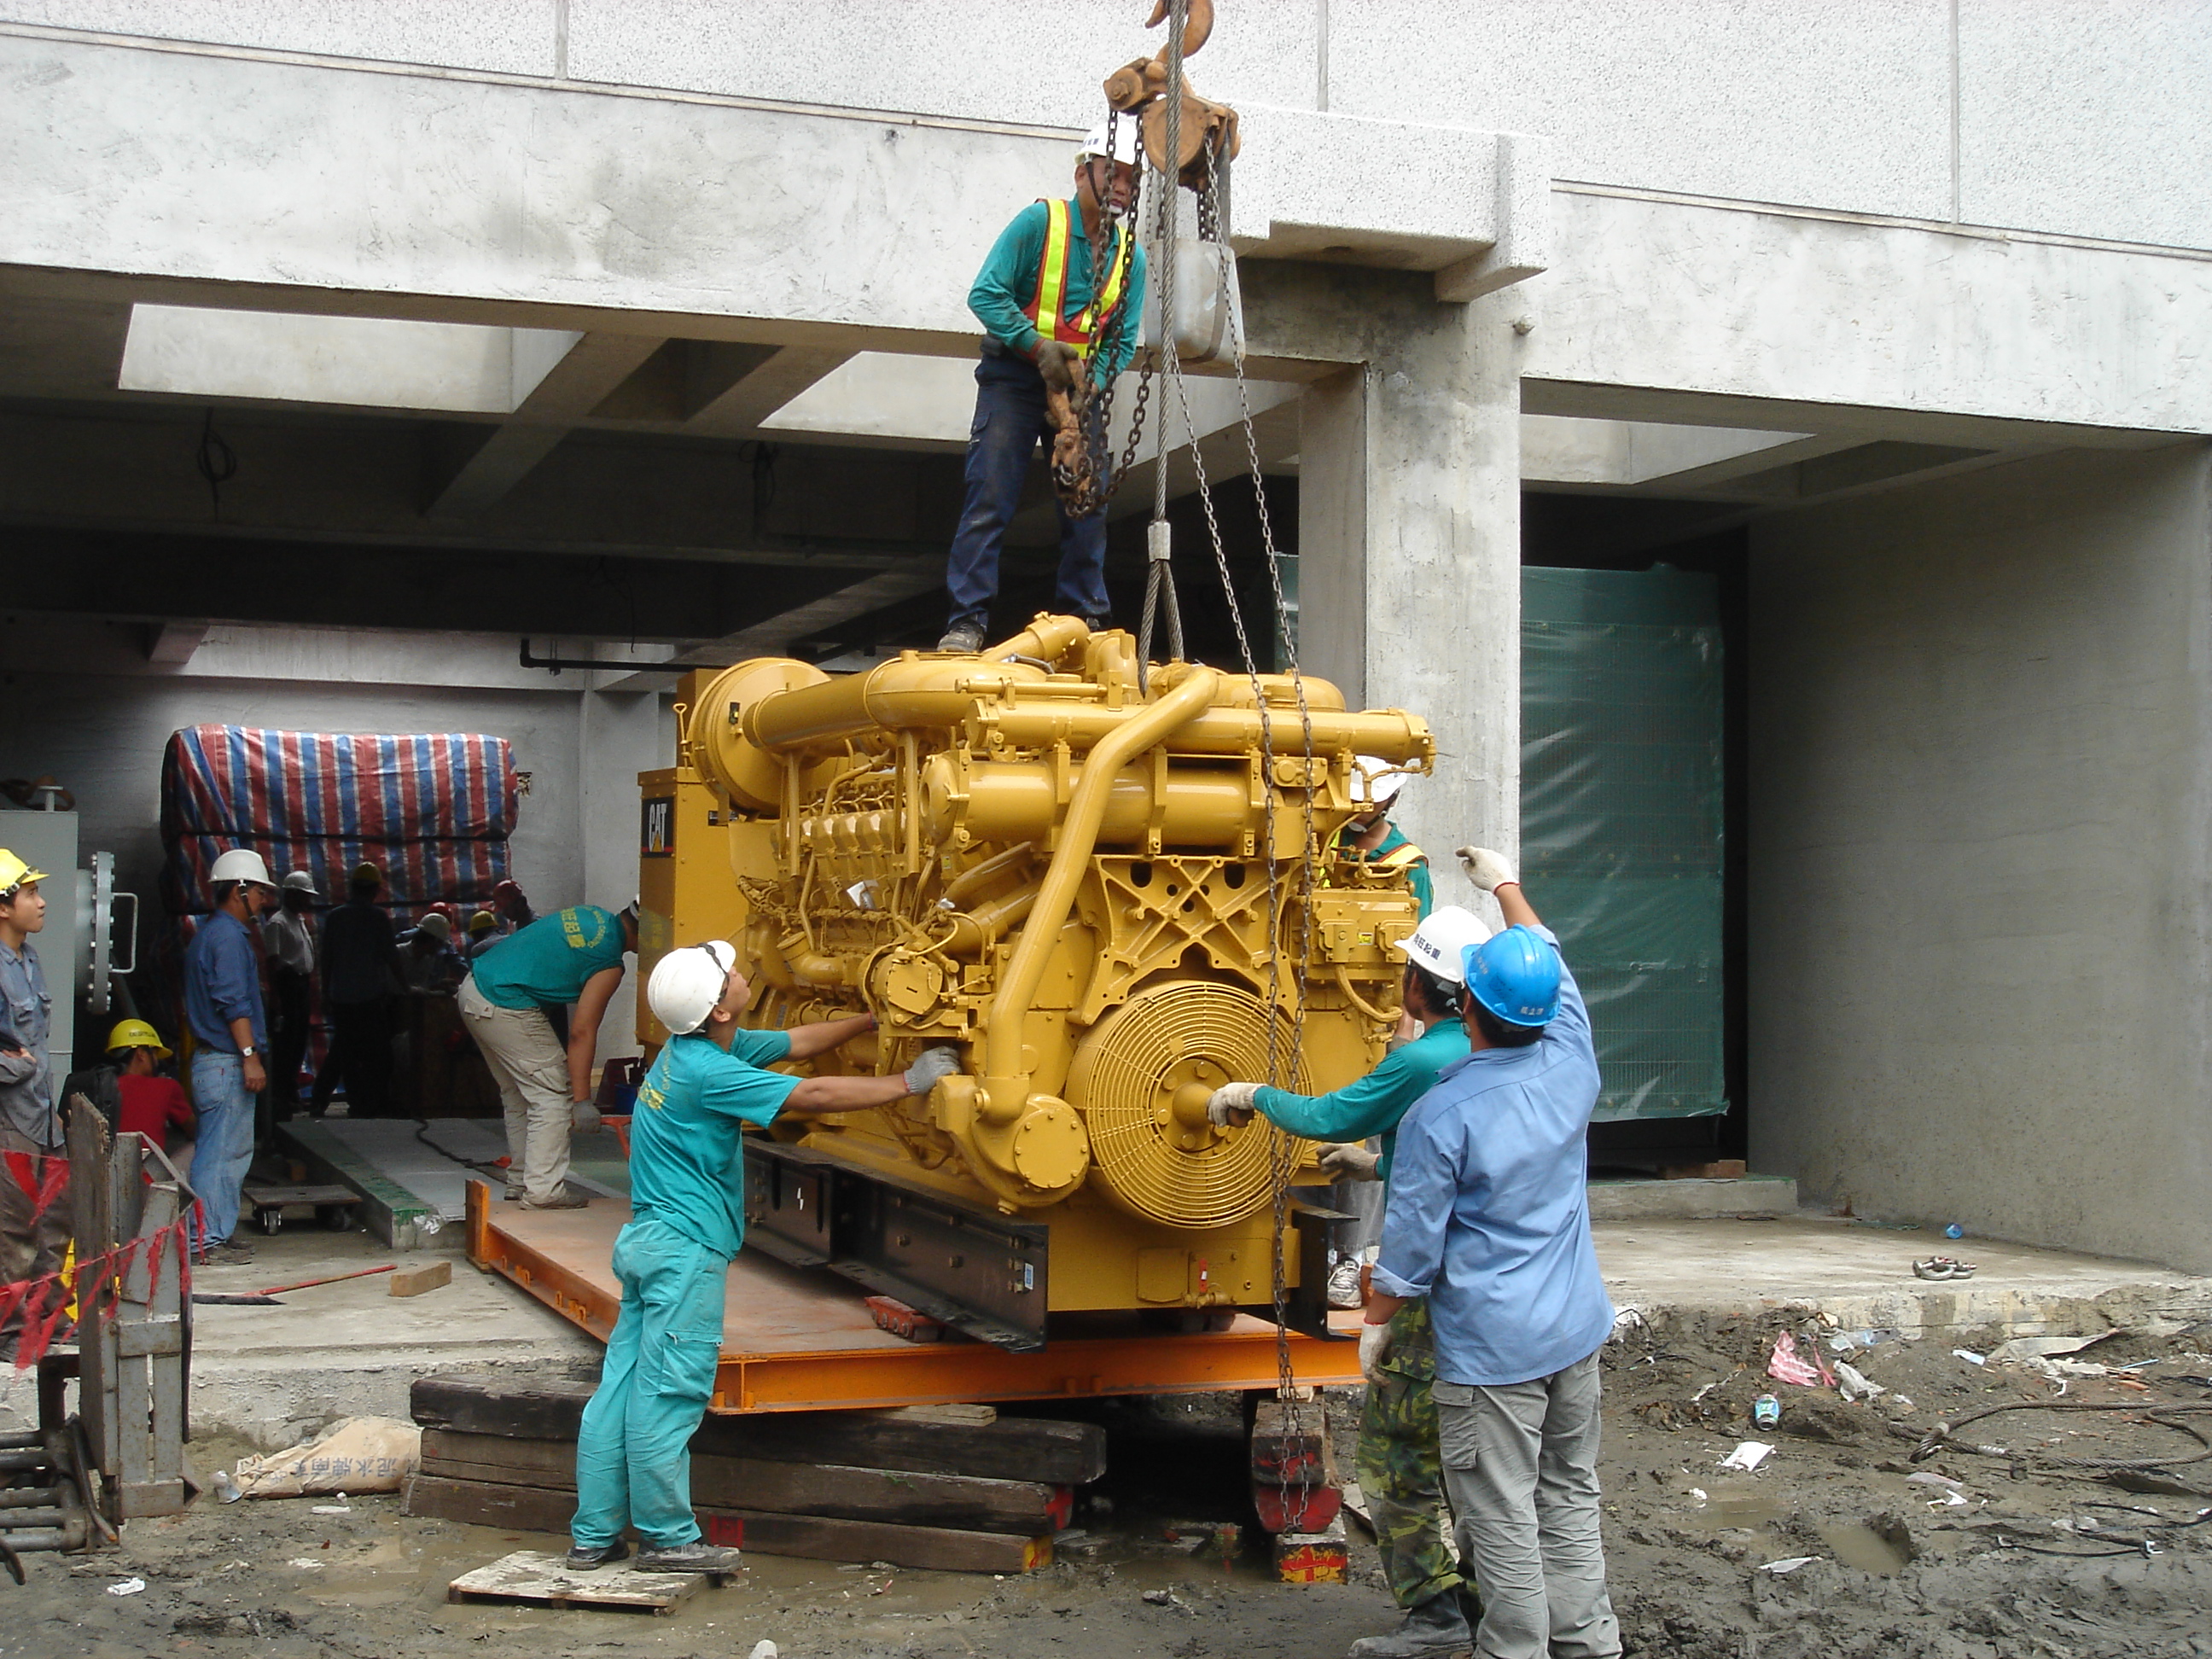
x=1622 y=765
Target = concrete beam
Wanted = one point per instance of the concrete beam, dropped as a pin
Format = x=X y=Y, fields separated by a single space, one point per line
x=775 y=635
x=556 y=385
x=171 y=644
x=773 y=381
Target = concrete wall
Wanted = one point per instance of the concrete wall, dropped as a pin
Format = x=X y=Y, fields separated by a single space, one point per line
x=1979 y=905
x=2080 y=116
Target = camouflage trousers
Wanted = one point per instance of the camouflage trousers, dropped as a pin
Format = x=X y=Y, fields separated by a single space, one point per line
x=1402 y=1468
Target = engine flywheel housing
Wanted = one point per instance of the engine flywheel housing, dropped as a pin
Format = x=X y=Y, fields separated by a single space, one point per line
x=1141 y=1078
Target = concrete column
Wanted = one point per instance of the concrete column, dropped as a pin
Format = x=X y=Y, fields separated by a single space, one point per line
x=1409 y=540
x=618 y=735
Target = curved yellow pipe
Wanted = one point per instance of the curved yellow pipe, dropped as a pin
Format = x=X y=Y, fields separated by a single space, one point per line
x=1006 y=1081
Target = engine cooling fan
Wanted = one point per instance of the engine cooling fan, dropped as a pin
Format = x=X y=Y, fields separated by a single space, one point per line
x=1141 y=1078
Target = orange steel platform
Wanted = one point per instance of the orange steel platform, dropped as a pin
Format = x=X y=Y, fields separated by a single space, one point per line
x=803 y=1339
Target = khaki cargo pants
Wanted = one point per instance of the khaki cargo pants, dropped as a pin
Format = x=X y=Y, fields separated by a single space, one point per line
x=532 y=1070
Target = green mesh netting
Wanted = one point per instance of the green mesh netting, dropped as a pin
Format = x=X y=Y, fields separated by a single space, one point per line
x=1621 y=765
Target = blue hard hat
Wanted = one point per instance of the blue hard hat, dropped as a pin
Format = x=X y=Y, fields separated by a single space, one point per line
x=1515 y=975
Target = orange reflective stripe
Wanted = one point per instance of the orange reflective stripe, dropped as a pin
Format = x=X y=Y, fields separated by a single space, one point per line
x=1046 y=312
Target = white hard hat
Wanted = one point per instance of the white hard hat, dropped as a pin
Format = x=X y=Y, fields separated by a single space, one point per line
x=240 y=864
x=437 y=927
x=688 y=982
x=1125 y=141
x=300 y=882
x=1435 y=945
x=1383 y=780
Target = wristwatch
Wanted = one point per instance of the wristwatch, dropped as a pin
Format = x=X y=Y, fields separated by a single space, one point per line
x=248 y=1052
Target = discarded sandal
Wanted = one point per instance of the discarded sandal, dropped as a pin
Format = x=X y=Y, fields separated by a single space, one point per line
x=1942 y=1267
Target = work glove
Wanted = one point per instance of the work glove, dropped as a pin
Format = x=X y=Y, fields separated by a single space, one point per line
x=1487 y=870
x=1229 y=1107
x=931 y=1067
x=1374 y=1349
x=1061 y=367
x=1348 y=1161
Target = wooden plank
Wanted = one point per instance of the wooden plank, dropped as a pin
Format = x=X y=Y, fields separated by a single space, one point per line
x=1026 y=1507
x=529 y=1575
x=413 y=1281
x=1027 y=1448
x=534 y=1509
x=1313 y=1558
x=93 y=1222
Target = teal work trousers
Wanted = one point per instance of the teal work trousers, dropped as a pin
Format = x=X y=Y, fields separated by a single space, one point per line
x=633 y=1453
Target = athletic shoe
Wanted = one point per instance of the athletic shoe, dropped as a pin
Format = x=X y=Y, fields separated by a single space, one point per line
x=568 y=1199
x=1344 y=1284
x=688 y=1557
x=965 y=638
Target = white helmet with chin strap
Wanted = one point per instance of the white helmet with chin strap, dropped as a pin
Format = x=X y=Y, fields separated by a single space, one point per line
x=687 y=983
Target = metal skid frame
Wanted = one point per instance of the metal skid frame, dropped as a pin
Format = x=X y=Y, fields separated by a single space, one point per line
x=984 y=1275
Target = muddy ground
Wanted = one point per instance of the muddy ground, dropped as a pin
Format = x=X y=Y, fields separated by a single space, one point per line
x=1897 y=1568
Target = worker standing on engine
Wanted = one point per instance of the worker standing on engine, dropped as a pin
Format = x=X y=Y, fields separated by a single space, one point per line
x=688 y=1218
x=1489 y=1221
x=1369 y=837
x=1400 y=1469
x=1049 y=322
x=572 y=959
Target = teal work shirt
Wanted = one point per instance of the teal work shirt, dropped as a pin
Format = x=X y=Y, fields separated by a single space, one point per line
x=1008 y=283
x=1425 y=892
x=687 y=1160
x=1373 y=1105
x=546 y=963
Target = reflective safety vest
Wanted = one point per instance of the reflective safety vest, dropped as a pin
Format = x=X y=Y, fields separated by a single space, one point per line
x=1047 y=312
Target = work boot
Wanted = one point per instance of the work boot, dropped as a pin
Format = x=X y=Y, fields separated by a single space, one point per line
x=590 y=1558
x=1437 y=1627
x=965 y=638
x=694 y=1556
x=228 y=1254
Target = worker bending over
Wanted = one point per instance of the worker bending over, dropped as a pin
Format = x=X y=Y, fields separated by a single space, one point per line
x=1046 y=325
x=1489 y=1220
x=687 y=1175
x=1400 y=1470
x=574 y=956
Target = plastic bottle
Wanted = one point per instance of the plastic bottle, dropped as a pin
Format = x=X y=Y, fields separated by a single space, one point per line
x=1954 y=1230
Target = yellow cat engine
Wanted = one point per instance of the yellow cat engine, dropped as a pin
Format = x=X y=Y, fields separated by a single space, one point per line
x=1113 y=891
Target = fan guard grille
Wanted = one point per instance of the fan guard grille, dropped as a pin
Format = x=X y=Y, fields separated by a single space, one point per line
x=1125 y=1079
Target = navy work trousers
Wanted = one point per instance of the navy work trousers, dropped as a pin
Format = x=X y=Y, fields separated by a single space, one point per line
x=1009 y=424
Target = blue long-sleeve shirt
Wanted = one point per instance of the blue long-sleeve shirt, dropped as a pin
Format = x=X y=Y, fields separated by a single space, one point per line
x=1489 y=1210
x=222 y=982
x=1008 y=283
x=1374 y=1105
x=27 y=1074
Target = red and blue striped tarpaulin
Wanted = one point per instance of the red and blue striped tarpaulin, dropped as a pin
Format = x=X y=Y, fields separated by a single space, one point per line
x=433 y=810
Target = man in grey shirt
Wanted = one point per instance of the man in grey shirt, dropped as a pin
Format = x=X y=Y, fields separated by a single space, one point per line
x=34 y=1234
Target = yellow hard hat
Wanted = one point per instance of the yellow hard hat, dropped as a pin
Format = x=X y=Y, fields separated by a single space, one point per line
x=137 y=1034
x=14 y=872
